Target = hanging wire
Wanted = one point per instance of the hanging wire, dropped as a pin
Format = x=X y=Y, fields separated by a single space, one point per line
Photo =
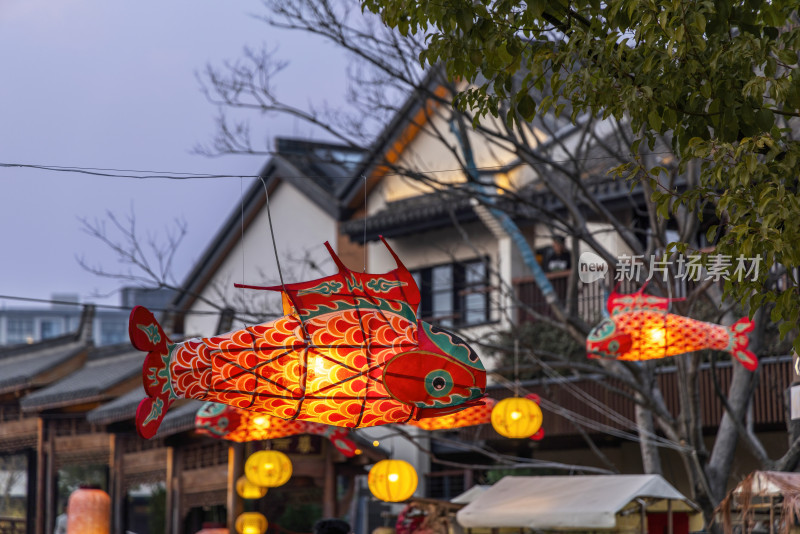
x=272 y=233
x=516 y=367
x=241 y=195
x=593 y=424
x=142 y=174
x=366 y=214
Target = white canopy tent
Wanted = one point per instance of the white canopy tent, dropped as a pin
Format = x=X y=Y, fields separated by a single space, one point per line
x=567 y=502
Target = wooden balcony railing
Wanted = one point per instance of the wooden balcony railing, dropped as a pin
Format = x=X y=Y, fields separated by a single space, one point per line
x=769 y=400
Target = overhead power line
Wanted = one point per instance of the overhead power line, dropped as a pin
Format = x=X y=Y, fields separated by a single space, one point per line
x=140 y=174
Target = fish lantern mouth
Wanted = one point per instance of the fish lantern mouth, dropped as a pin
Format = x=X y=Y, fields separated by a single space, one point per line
x=443 y=372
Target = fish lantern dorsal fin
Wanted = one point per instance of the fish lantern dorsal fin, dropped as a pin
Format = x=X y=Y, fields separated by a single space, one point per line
x=336 y=259
x=400 y=266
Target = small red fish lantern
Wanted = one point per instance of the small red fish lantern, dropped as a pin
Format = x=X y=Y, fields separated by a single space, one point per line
x=348 y=352
x=639 y=327
x=234 y=424
x=474 y=415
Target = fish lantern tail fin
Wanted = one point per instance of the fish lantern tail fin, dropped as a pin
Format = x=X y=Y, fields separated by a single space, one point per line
x=148 y=336
x=738 y=333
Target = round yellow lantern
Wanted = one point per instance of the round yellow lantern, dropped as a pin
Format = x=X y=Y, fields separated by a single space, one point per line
x=392 y=480
x=248 y=490
x=516 y=417
x=268 y=468
x=251 y=523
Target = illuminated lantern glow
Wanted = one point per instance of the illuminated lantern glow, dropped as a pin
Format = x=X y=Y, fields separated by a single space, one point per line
x=248 y=490
x=392 y=480
x=269 y=469
x=234 y=424
x=348 y=352
x=640 y=327
x=89 y=512
x=516 y=417
x=251 y=523
x=474 y=415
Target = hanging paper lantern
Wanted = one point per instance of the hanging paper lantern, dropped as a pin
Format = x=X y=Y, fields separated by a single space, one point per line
x=234 y=424
x=89 y=511
x=392 y=480
x=474 y=415
x=248 y=490
x=516 y=417
x=639 y=327
x=251 y=523
x=268 y=468
x=349 y=352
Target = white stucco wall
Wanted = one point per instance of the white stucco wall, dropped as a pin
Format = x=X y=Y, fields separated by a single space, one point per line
x=300 y=228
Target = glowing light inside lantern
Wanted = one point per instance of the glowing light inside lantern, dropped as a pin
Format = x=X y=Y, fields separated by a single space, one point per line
x=392 y=480
x=658 y=335
x=376 y=443
x=251 y=523
x=516 y=417
x=261 y=421
x=268 y=468
x=248 y=490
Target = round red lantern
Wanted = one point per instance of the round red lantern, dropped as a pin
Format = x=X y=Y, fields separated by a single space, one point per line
x=89 y=511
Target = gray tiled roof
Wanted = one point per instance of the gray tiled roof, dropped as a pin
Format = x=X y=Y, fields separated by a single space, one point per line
x=119 y=409
x=19 y=371
x=179 y=418
x=414 y=214
x=105 y=369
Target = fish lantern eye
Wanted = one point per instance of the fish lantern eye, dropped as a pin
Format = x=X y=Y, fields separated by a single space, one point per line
x=439 y=383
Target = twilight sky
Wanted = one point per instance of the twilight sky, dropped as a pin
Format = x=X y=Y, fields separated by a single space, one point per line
x=93 y=83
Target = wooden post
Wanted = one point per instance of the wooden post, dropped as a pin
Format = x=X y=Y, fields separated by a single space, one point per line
x=772 y=514
x=41 y=476
x=235 y=470
x=170 y=497
x=177 y=496
x=116 y=487
x=31 y=492
x=669 y=517
x=329 y=483
x=50 y=484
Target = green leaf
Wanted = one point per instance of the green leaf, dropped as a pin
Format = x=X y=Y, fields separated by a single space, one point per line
x=527 y=107
x=654 y=119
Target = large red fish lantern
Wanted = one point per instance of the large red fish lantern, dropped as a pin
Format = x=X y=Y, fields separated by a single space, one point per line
x=474 y=415
x=349 y=352
x=234 y=424
x=639 y=327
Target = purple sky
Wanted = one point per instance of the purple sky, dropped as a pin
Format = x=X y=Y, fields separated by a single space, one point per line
x=93 y=83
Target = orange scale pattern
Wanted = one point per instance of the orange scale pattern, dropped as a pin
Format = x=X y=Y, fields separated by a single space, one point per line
x=335 y=378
